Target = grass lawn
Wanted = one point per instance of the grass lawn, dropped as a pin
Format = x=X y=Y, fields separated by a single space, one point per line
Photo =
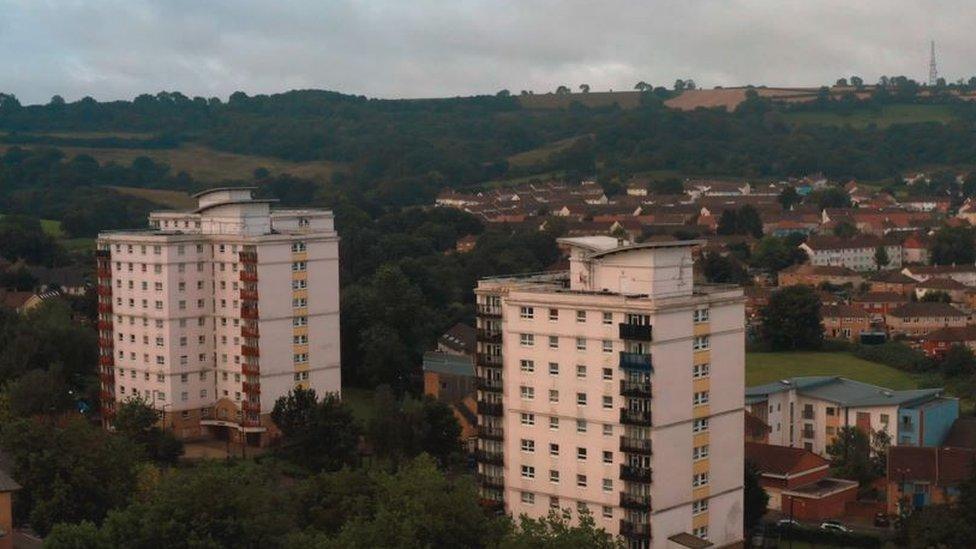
x=178 y=200
x=889 y=115
x=766 y=367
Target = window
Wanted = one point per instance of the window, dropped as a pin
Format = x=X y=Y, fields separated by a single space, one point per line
x=526 y=340
x=301 y=358
x=527 y=393
x=299 y=321
x=553 y=342
x=581 y=454
x=607 y=374
x=184 y=396
x=159 y=286
x=700 y=343
x=528 y=497
x=830 y=410
x=580 y=425
x=527 y=365
x=527 y=445
x=581 y=399
x=608 y=429
x=608 y=318
x=700 y=370
x=526 y=313
x=699 y=507
x=581 y=507
x=553 y=502
x=553 y=395
x=553 y=449
x=699 y=452
x=553 y=476
x=553 y=368
x=701 y=532
x=700 y=315
x=700 y=398
x=580 y=316
x=299 y=284
x=298 y=246
x=298 y=266
x=607 y=511
x=699 y=479
x=607 y=402
x=298 y=340
x=297 y=303
x=607 y=346
x=554 y=423
x=553 y=314
x=608 y=485
x=581 y=481
x=607 y=457
x=528 y=471
x=699 y=425
x=581 y=344
x=884 y=419
x=527 y=419
x=580 y=371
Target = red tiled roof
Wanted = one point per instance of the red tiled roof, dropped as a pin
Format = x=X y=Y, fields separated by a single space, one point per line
x=880 y=297
x=14 y=300
x=942 y=284
x=953 y=334
x=940 y=465
x=924 y=309
x=842 y=311
x=782 y=460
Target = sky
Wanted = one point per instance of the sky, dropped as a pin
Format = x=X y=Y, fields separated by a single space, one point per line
x=117 y=49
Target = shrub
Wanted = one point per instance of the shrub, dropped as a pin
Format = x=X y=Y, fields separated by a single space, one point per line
x=894 y=354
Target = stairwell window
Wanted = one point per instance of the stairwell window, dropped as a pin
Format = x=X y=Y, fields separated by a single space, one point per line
x=298 y=266
x=701 y=343
x=699 y=425
x=700 y=315
x=700 y=398
x=699 y=452
x=699 y=507
x=699 y=371
x=699 y=479
x=701 y=532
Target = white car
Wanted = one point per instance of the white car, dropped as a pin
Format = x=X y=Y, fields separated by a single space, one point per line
x=786 y=523
x=834 y=526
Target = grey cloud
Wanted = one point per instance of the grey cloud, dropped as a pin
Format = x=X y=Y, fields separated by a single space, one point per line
x=112 y=49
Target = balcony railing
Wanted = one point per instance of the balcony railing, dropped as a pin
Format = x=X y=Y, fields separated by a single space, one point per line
x=250 y=369
x=635 y=417
x=250 y=350
x=634 y=445
x=491 y=481
x=489 y=336
x=490 y=408
x=250 y=332
x=106 y=360
x=487 y=456
x=249 y=312
x=105 y=342
x=491 y=433
x=494 y=361
x=248 y=406
x=108 y=378
x=248 y=257
x=104 y=290
x=249 y=295
x=635 y=388
x=105 y=325
x=104 y=272
x=632 y=473
x=488 y=384
x=249 y=276
x=106 y=395
x=635 y=501
x=489 y=310
x=105 y=308
x=635 y=361
x=635 y=530
x=251 y=388
x=635 y=332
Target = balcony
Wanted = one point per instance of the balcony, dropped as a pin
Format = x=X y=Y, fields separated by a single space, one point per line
x=250 y=350
x=489 y=336
x=250 y=369
x=491 y=433
x=808 y=414
x=635 y=361
x=635 y=530
x=808 y=433
x=106 y=396
x=490 y=409
x=251 y=388
x=105 y=308
x=249 y=313
x=104 y=272
x=635 y=332
x=635 y=417
x=489 y=310
x=491 y=481
x=635 y=501
x=106 y=342
x=635 y=388
x=634 y=445
x=106 y=360
x=248 y=406
x=487 y=384
x=487 y=456
x=250 y=332
x=632 y=473
x=249 y=295
x=104 y=325
x=103 y=290
x=249 y=276
x=108 y=378
x=492 y=361
x=248 y=257
x=103 y=254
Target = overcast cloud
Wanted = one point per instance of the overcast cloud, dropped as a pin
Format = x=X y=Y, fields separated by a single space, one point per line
x=111 y=49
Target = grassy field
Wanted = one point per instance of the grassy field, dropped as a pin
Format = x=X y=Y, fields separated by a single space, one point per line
x=539 y=155
x=767 y=367
x=209 y=165
x=889 y=115
x=173 y=199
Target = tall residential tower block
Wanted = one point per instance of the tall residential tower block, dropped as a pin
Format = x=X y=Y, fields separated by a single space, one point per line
x=615 y=387
x=212 y=314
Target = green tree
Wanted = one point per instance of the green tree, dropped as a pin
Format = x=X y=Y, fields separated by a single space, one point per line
x=138 y=421
x=936 y=296
x=39 y=393
x=721 y=269
x=562 y=90
x=728 y=223
x=788 y=198
x=585 y=88
x=774 y=254
x=881 y=258
x=953 y=246
x=755 y=499
x=556 y=530
x=791 y=320
x=845 y=229
x=850 y=455
x=958 y=361
x=404 y=428
x=749 y=222
x=321 y=435
x=643 y=86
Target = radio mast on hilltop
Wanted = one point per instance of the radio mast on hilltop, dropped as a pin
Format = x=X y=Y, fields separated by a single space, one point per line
x=933 y=71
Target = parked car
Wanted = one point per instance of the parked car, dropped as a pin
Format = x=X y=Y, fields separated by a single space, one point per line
x=787 y=523
x=882 y=520
x=834 y=526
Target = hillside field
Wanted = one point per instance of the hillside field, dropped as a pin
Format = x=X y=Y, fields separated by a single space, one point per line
x=888 y=116
x=767 y=367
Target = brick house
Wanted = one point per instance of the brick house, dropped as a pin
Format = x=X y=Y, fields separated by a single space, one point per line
x=815 y=275
x=893 y=281
x=926 y=476
x=878 y=304
x=918 y=319
x=936 y=343
x=953 y=288
x=844 y=321
x=797 y=482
